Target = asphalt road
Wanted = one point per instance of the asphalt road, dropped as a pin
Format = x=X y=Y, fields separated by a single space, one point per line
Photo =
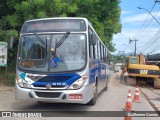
x=112 y=100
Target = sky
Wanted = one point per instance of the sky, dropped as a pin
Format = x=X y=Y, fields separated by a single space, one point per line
x=138 y=24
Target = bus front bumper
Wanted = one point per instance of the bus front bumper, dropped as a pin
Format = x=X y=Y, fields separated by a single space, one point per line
x=82 y=95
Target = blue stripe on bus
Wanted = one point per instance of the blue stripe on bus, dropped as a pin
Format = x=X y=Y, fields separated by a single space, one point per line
x=61 y=79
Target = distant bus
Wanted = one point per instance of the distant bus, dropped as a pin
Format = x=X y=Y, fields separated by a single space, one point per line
x=61 y=60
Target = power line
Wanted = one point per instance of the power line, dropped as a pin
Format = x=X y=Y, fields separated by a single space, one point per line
x=145 y=20
x=142 y=33
x=156 y=45
x=128 y=47
x=154 y=41
x=151 y=41
x=156 y=48
x=152 y=44
x=149 y=23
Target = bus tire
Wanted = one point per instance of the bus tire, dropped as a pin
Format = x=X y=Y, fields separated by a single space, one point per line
x=93 y=100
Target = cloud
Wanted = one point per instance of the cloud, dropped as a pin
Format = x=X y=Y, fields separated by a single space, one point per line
x=131 y=23
x=125 y=12
x=140 y=17
x=126 y=33
x=123 y=38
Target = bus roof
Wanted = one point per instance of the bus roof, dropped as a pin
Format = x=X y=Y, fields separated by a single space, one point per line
x=58 y=18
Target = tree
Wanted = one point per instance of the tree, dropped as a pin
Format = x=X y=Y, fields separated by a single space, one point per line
x=103 y=14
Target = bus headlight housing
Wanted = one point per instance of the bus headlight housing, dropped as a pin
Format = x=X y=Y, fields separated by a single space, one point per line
x=22 y=83
x=78 y=83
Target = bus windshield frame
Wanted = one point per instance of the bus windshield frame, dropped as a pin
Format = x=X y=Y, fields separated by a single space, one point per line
x=53 y=55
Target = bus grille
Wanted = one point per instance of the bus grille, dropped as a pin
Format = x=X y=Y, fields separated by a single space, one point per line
x=52 y=86
x=48 y=94
x=54 y=79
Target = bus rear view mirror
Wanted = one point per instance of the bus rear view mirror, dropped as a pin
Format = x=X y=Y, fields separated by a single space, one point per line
x=11 y=40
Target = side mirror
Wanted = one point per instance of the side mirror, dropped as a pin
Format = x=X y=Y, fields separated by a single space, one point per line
x=11 y=40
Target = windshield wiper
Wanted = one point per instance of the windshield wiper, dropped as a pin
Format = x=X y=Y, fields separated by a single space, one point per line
x=60 y=42
x=41 y=40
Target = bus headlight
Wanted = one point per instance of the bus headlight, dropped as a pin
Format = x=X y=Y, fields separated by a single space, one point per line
x=22 y=83
x=78 y=83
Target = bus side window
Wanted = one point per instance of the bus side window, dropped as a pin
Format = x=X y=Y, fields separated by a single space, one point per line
x=90 y=45
x=98 y=50
x=102 y=52
x=105 y=55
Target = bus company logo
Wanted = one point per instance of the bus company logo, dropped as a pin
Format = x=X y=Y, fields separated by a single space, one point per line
x=48 y=86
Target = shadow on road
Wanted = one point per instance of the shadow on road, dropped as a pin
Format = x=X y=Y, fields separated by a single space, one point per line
x=34 y=106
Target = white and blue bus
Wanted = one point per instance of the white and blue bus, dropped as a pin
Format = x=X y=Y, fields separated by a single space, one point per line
x=61 y=60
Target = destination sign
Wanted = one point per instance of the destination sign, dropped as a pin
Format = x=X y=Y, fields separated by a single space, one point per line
x=54 y=25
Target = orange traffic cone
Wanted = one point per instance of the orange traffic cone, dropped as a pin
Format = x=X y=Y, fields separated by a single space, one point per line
x=136 y=95
x=128 y=106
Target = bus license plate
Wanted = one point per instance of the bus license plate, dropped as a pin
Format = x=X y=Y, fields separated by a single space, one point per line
x=75 y=96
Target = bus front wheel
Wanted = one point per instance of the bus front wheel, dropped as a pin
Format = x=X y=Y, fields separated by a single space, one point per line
x=93 y=100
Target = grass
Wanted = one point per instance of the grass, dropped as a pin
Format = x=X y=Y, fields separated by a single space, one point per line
x=9 y=80
x=9 y=77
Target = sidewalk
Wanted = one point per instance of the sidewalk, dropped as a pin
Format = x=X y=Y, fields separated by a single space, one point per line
x=153 y=96
x=150 y=94
x=6 y=88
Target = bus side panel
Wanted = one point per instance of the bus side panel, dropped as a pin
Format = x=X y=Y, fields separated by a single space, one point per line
x=98 y=72
x=102 y=76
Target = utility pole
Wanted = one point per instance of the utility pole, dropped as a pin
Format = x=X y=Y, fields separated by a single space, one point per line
x=135 y=45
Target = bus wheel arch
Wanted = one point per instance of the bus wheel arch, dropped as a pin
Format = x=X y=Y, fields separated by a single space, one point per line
x=93 y=100
x=106 y=87
x=96 y=87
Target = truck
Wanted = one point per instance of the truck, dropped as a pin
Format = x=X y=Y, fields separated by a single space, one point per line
x=139 y=73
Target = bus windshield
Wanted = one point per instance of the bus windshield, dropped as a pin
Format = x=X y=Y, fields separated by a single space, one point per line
x=52 y=52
